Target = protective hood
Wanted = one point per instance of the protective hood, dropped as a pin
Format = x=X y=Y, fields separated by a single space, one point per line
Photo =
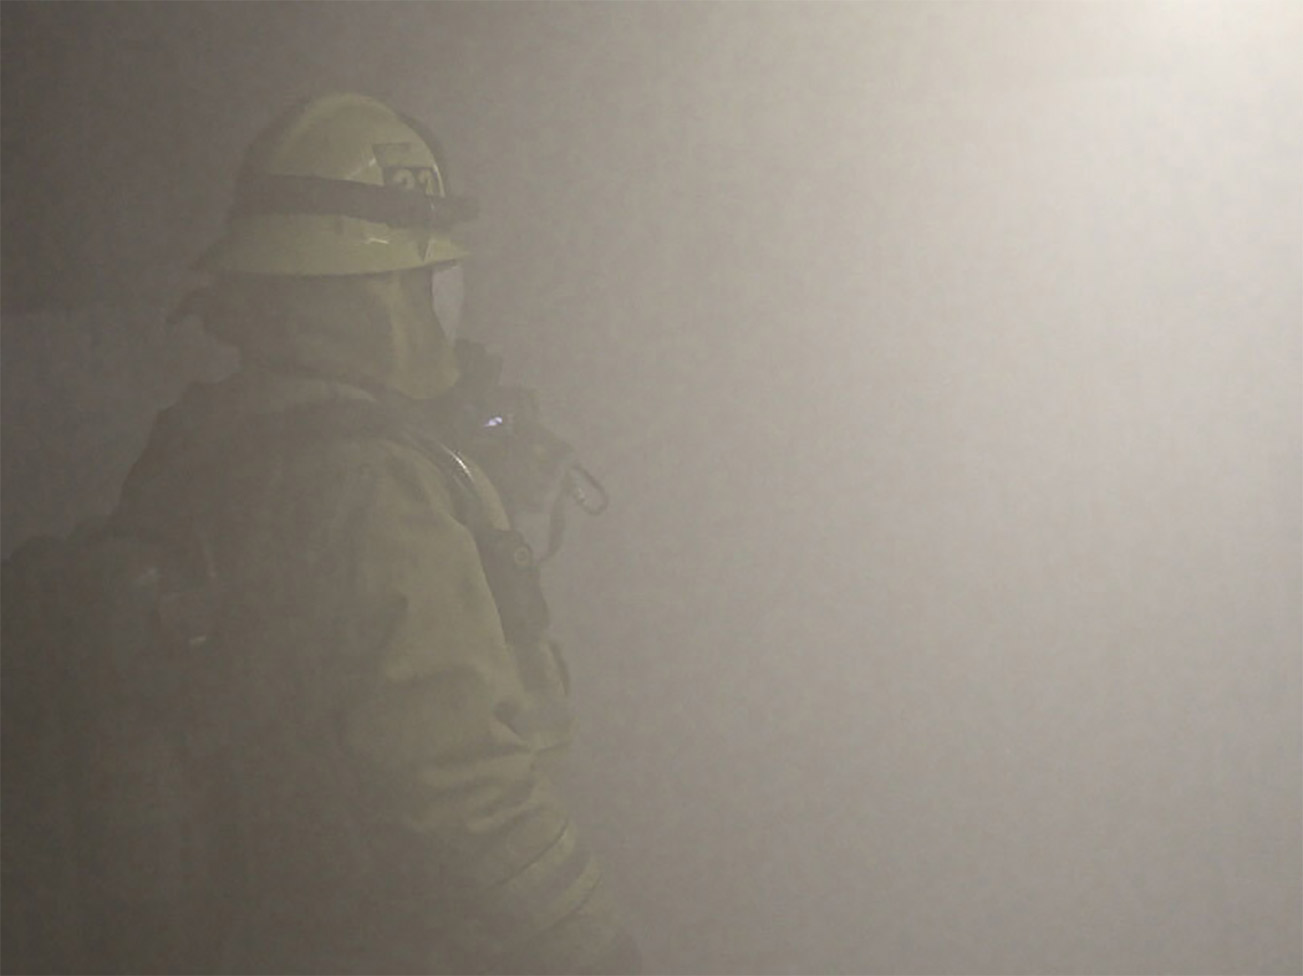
x=375 y=330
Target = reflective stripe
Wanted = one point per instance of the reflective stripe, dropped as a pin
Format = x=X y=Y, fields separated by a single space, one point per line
x=556 y=884
x=546 y=725
x=274 y=193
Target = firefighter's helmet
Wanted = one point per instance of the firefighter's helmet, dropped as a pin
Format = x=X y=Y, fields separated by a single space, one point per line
x=340 y=185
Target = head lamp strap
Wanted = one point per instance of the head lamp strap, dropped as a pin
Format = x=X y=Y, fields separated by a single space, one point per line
x=278 y=194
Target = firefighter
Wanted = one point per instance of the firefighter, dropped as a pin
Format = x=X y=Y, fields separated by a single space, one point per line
x=384 y=694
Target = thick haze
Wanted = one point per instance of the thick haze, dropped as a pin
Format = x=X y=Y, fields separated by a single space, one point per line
x=943 y=362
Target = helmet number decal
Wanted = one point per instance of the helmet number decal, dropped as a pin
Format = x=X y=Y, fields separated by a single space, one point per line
x=423 y=178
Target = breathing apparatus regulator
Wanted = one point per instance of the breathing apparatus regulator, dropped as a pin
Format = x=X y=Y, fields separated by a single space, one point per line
x=535 y=470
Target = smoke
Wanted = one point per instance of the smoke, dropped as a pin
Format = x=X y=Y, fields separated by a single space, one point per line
x=943 y=364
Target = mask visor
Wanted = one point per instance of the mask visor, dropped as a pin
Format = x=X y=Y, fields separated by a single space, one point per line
x=447 y=296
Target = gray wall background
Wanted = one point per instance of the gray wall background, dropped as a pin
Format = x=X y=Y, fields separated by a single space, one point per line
x=943 y=362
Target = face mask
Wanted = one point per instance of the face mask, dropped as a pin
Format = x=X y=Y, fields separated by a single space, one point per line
x=447 y=293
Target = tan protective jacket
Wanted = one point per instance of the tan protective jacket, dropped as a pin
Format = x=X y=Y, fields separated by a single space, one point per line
x=385 y=742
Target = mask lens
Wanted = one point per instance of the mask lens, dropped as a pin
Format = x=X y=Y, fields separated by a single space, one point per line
x=447 y=294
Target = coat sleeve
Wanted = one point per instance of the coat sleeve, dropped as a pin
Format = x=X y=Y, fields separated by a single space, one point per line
x=433 y=731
